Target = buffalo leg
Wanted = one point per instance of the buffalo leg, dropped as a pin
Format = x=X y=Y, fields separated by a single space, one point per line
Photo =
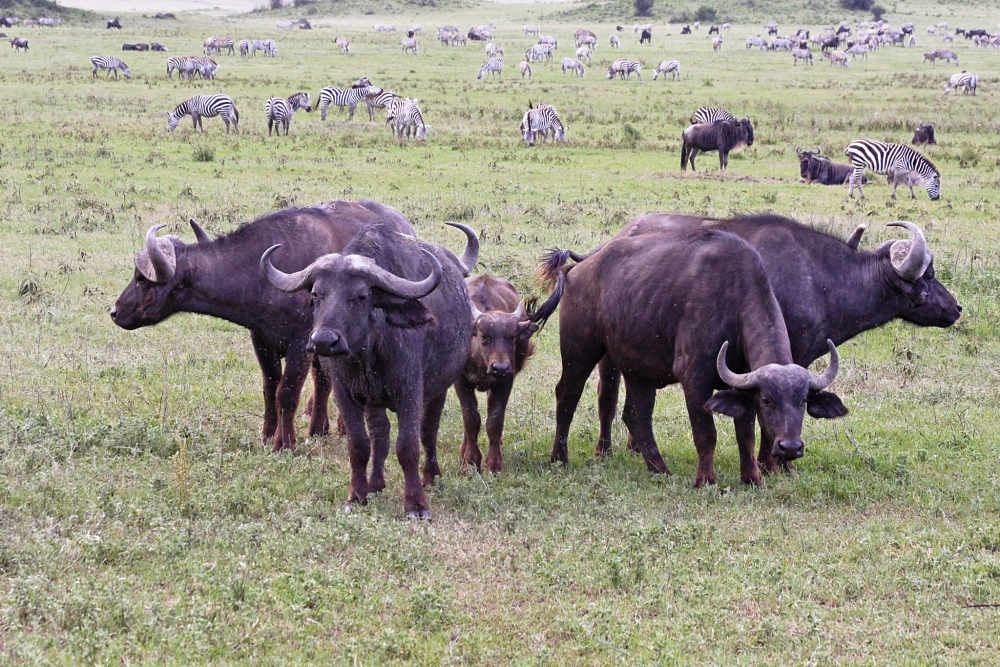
x=409 y=414
x=378 y=432
x=270 y=369
x=319 y=421
x=358 y=444
x=496 y=411
x=429 y=434
x=470 y=454
x=297 y=363
x=745 y=431
x=703 y=431
x=576 y=368
x=607 y=403
x=640 y=398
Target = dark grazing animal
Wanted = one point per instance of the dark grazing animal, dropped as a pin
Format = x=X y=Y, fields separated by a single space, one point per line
x=19 y=43
x=722 y=136
x=713 y=29
x=135 y=47
x=667 y=312
x=501 y=344
x=826 y=288
x=816 y=168
x=924 y=135
x=155 y=46
x=114 y=23
x=391 y=323
x=686 y=30
x=218 y=278
x=646 y=37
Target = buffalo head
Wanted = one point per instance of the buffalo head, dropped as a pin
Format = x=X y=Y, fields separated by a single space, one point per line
x=778 y=394
x=350 y=294
x=910 y=273
x=159 y=282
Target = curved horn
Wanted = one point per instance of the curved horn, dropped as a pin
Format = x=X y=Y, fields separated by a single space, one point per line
x=163 y=266
x=734 y=380
x=199 y=233
x=817 y=382
x=519 y=311
x=476 y=313
x=818 y=150
x=855 y=237
x=286 y=282
x=471 y=254
x=390 y=282
x=909 y=258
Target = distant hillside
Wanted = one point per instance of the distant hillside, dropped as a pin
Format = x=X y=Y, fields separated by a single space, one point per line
x=32 y=9
x=327 y=7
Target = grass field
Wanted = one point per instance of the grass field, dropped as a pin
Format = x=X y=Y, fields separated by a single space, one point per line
x=142 y=520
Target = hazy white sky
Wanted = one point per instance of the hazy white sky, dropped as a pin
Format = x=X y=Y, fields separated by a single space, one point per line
x=111 y=6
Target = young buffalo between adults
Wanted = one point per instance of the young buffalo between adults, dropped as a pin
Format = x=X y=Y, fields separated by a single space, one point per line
x=688 y=308
x=501 y=344
x=722 y=136
x=219 y=278
x=826 y=289
x=391 y=323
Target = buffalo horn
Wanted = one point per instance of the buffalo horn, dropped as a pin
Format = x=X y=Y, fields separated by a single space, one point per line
x=162 y=264
x=476 y=313
x=471 y=254
x=855 y=237
x=519 y=311
x=910 y=258
x=734 y=380
x=817 y=382
x=390 y=282
x=199 y=233
x=286 y=282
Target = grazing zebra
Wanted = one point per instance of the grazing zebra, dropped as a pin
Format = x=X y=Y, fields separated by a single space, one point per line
x=494 y=66
x=279 y=112
x=217 y=44
x=710 y=115
x=967 y=81
x=266 y=45
x=531 y=30
x=409 y=44
x=572 y=65
x=406 y=116
x=525 y=68
x=183 y=64
x=615 y=42
x=624 y=69
x=204 y=66
x=343 y=44
x=111 y=64
x=858 y=50
x=884 y=158
x=244 y=45
x=756 y=41
x=493 y=49
x=583 y=53
x=801 y=54
x=671 y=67
x=538 y=52
x=378 y=99
x=717 y=43
x=205 y=106
x=548 y=39
x=344 y=97
x=838 y=57
x=540 y=120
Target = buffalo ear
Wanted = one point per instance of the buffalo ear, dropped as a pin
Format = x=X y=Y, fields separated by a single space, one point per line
x=403 y=313
x=825 y=405
x=732 y=402
x=526 y=329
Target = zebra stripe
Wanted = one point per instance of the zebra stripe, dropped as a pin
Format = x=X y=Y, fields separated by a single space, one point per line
x=967 y=81
x=206 y=106
x=541 y=120
x=111 y=64
x=494 y=66
x=279 y=112
x=671 y=67
x=379 y=100
x=244 y=47
x=624 y=69
x=406 y=116
x=217 y=44
x=710 y=115
x=344 y=97
x=884 y=158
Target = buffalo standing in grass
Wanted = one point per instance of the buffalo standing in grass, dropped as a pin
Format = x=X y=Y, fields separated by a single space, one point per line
x=501 y=344
x=688 y=307
x=826 y=288
x=391 y=323
x=816 y=168
x=218 y=278
x=722 y=136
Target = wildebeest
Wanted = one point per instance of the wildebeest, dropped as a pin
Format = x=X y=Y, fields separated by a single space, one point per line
x=686 y=30
x=713 y=29
x=218 y=278
x=19 y=43
x=688 y=308
x=924 y=135
x=501 y=344
x=722 y=136
x=392 y=325
x=826 y=288
x=646 y=37
x=135 y=47
x=816 y=168
x=114 y=23
x=155 y=46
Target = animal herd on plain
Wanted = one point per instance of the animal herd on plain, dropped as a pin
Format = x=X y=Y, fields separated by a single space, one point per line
x=386 y=321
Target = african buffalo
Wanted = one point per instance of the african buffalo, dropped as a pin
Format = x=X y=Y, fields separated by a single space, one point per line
x=816 y=168
x=666 y=312
x=825 y=287
x=135 y=47
x=217 y=278
x=501 y=344
x=924 y=135
x=686 y=30
x=391 y=324
x=722 y=136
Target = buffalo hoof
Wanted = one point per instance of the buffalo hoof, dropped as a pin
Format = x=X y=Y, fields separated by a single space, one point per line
x=319 y=430
x=376 y=483
x=753 y=478
x=494 y=465
x=280 y=446
x=419 y=515
x=704 y=479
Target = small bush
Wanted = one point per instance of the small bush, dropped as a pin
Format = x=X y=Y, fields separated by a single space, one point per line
x=643 y=7
x=276 y=4
x=204 y=154
x=706 y=14
x=877 y=12
x=857 y=5
x=631 y=135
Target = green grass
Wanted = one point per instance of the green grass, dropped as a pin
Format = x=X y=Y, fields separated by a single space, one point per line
x=142 y=520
